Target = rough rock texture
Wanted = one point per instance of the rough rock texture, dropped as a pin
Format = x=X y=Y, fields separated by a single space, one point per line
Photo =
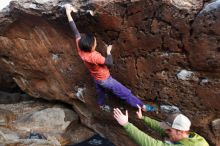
x=7 y=83
x=165 y=48
x=54 y=123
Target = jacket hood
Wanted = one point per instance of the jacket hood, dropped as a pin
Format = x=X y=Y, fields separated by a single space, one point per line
x=194 y=140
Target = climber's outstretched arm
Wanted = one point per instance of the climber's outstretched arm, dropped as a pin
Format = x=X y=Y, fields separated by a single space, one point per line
x=70 y=9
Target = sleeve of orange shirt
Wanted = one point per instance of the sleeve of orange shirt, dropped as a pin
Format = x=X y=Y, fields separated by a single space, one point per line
x=97 y=58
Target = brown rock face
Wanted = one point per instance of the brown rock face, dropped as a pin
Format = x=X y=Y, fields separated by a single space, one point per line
x=204 y=49
x=30 y=46
x=166 y=48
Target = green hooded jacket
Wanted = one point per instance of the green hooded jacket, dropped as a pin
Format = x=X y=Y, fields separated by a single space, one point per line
x=143 y=139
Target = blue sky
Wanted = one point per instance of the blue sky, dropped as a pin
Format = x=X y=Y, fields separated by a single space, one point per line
x=4 y=3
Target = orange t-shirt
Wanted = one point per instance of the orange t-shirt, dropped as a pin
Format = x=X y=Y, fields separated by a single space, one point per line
x=95 y=62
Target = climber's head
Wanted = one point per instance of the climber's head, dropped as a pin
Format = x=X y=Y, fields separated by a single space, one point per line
x=87 y=43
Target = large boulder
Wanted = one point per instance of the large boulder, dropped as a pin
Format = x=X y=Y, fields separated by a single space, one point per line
x=167 y=49
x=39 y=122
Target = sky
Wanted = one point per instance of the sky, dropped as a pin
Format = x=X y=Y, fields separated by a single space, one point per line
x=4 y=3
